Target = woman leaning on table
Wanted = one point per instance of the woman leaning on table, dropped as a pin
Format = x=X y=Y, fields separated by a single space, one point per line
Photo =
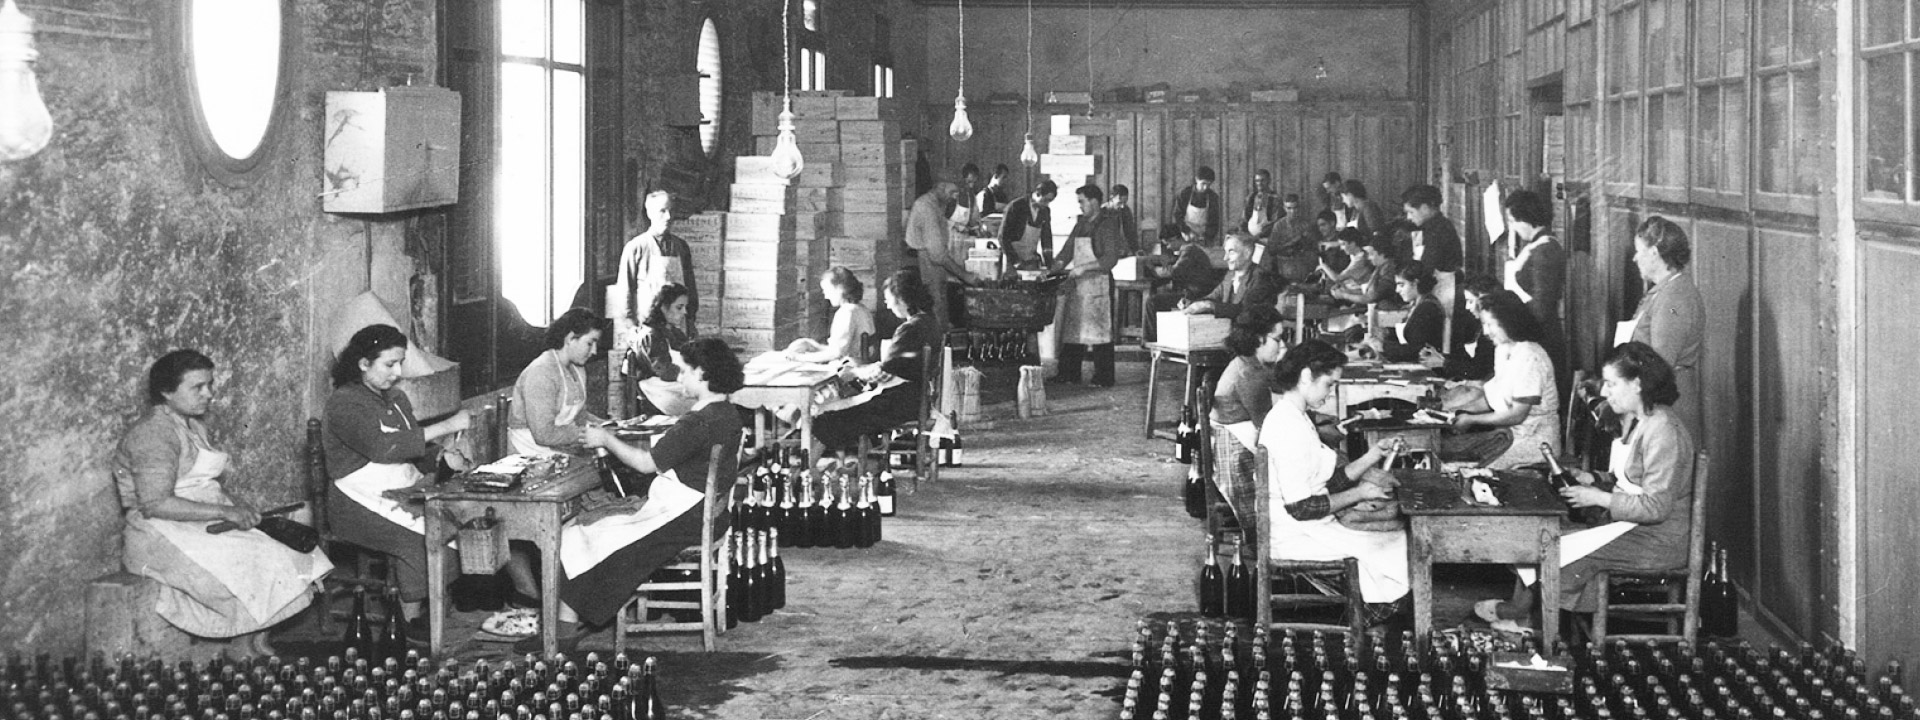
x=839 y=430
x=1418 y=337
x=1241 y=402
x=1672 y=317
x=1302 y=474
x=168 y=474
x=1522 y=403
x=1651 y=500
x=372 y=443
x=852 y=322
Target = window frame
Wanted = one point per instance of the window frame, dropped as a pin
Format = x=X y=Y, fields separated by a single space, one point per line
x=1904 y=210
x=214 y=160
x=1729 y=74
x=1793 y=69
x=810 y=44
x=504 y=192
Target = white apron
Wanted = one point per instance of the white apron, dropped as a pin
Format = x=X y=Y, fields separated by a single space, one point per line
x=522 y=438
x=1581 y=543
x=1028 y=246
x=1086 y=316
x=267 y=579
x=366 y=485
x=1512 y=271
x=1196 y=218
x=1384 y=574
x=582 y=546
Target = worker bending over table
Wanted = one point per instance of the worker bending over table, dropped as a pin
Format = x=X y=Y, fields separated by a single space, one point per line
x=1519 y=407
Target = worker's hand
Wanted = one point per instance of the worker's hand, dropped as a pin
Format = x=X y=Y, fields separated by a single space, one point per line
x=1585 y=496
x=1203 y=307
x=594 y=436
x=241 y=516
x=1432 y=358
x=1368 y=490
x=1461 y=421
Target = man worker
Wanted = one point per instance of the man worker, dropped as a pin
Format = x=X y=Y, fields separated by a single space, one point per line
x=1196 y=209
x=992 y=198
x=1026 y=233
x=1086 y=308
x=649 y=262
x=929 y=226
x=1263 y=209
x=1437 y=244
x=1245 y=284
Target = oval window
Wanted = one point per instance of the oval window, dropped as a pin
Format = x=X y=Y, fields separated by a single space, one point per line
x=234 y=64
x=709 y=66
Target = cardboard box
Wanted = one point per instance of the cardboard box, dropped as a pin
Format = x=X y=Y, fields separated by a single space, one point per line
x=1192 y=332
x=1067 y=144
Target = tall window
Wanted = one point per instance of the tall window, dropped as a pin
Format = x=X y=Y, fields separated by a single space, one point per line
x=813 y=69
x=709 y=66
x=882 y=57
x=1624 y=95
x=1720 y=95
x=540 y=201
x=1787 y=77
x=811 y=38
x=882 y=81
x=1890 y=57
x=1666 y=83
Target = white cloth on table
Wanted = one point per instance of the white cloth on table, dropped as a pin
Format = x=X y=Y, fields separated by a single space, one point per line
x=582 y=546
x=1299 y=466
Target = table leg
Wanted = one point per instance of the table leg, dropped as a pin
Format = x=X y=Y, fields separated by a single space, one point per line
x=1549 y=584
x=1420 y=563
x=1153 y=387
x=807 y=449
x=1186 y=394
x=438 y=526
x=760 y=434
x=548 y=539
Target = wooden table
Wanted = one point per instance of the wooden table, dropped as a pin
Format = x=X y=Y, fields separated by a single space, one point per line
x=1300 y=312
x=533 y=513
x=772 y=384
x=1446 y=526
x=1363 y=381
x=1128 y=326
x=1195 y=360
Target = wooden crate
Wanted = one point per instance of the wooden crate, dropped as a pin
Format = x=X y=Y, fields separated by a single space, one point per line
x=851 y=252
x=818 y=199
x=756 y=169
x=757 y=255
x=871 y=225
x=815 y=107
x=878 y=177
x=869 y=131
x=820 y=174
x=704 y=254
x=855 y=155
x=811 y=225
x=1080 y=125
x=764 y=284
x=759 y=226
x=1192 y=332
x=761 y=313
x=818 y=152
x=1052 y=164
x=866 y=108
x=1067 y=144
x=761 y=199
x=816 y=131
x=869 y=200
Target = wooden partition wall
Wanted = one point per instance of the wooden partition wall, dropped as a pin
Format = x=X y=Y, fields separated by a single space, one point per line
x=1154 y=149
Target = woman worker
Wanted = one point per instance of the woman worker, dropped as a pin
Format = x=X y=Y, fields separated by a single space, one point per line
x=1419 y=337
x=852 y=322
x=168 y=474
x=649 y=363
x=1537 y=268
x=1651 y=500
x=1671 y=317
x=604 y=561
x=1522 y=401
x=840 y=430
x=1241 y=401
x=372 y=441
x=1302 y=473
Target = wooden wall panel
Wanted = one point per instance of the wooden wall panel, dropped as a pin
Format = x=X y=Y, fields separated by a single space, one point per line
x=1124 y=153
x=1152 y=198
x=1721 y=269
x=1787 y=450
x=1890 y=442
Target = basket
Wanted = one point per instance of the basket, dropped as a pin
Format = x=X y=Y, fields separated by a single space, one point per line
x=483 y=545
x=1009 y=308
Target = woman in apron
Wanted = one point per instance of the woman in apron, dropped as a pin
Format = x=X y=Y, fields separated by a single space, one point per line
x=1086 y=309
x=1537 y=271
x=1241 y=402
x=1420 y=333
x=649 y=363
x=168 y=474
x=1671 y=317
x=1651 y=503
x=899 y=374
x=1522 y=399
x=1302 y=472
x=372 y=441
x=604 y=560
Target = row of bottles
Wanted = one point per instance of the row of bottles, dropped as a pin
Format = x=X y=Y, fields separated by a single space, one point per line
x=991 y=347
x=350 y=686
x=389 y=641
x=1207 y=671
x=1233 y=593
x=1719 y=606
x=757 y=578
x=844 y=511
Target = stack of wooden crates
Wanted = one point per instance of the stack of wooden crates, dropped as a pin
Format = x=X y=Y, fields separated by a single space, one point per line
x=1070 y=162
x=848 y=207
x=704 y=233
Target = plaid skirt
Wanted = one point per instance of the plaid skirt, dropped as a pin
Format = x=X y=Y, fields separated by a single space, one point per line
x=1234 y=474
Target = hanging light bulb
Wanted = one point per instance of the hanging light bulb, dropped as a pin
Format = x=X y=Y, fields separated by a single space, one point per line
x=1029 y=156
x=25 y=126
x=961 y=128
x=787 y=162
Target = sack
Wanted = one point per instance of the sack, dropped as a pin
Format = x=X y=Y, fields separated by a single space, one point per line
x=301 y=538
x=1466 y=399
x=1374 y=516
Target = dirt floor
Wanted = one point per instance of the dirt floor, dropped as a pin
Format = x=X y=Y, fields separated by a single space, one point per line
x=1010 y=588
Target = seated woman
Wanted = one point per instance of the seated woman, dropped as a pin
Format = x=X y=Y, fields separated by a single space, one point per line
x=1241 y=402
x=840 y=430
x=1418 y=337
x=852 y=322
x=1652 y=497
x=1376 y=285
x=1358 y=268
x=600 y=581
x=372 y=442
x=168 y=474
x=1472 y=355
x=1522 y=407
x=1302 y=473
x=653 y=360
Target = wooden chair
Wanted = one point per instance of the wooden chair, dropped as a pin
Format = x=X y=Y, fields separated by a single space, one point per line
x=1577 y=433
x=354 y=566
x=712 y=564
x=1345 y=571
x=1221 y=520
x=1681 y=586
x=917 y=431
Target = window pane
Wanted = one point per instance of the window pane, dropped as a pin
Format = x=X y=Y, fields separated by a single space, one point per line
x=569 y=191
x=521 y=224
x=1913 y=11
x=1657 y=141
x=568 y=40
x=1630 y=66
x=1775 y=162
x=710 y=87
x=1811 y=165
x=810 y=14
x=1657 y=41
x=1733 y=116
x=1733 y=38
x=1620 y=32
x=1774 y=28
x=1676 y=48
x=1884 y=21
x=1812 y=31
x=1709 y=151
x=1886 y=144
x=1613 y=162
x=1633 y=129
x=523 y=28
x=1706 y=38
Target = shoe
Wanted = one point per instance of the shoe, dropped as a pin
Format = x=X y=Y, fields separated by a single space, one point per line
x=522 y=601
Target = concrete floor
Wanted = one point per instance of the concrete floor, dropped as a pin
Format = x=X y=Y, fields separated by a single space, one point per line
x=1008 y=589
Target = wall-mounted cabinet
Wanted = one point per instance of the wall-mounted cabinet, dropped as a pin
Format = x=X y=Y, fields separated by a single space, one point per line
x=390 y=150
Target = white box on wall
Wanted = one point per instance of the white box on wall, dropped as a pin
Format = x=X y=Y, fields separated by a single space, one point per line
x=390 y=150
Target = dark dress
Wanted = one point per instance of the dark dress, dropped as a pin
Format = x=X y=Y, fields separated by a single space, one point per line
x=841 y=430
x=598 y=593
x=363 y=427
x=1424 y=326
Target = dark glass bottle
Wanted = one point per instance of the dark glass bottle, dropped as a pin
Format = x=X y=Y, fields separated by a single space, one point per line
x=648 y=694
x=866 y=515
x=1560 y=479
x=1194 y=493
x=803 y=515
x=393 y=644
x=777 y=570
x=762 y=577
x=820 y=515
x=744 y=574
x=883 y=494
x=1212 y=585
x=841 y=516
x=1240 y=588
x=359 y=636
x=1184 y=436
x=736 y=582
x=1725 y=604
x=788 y=517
